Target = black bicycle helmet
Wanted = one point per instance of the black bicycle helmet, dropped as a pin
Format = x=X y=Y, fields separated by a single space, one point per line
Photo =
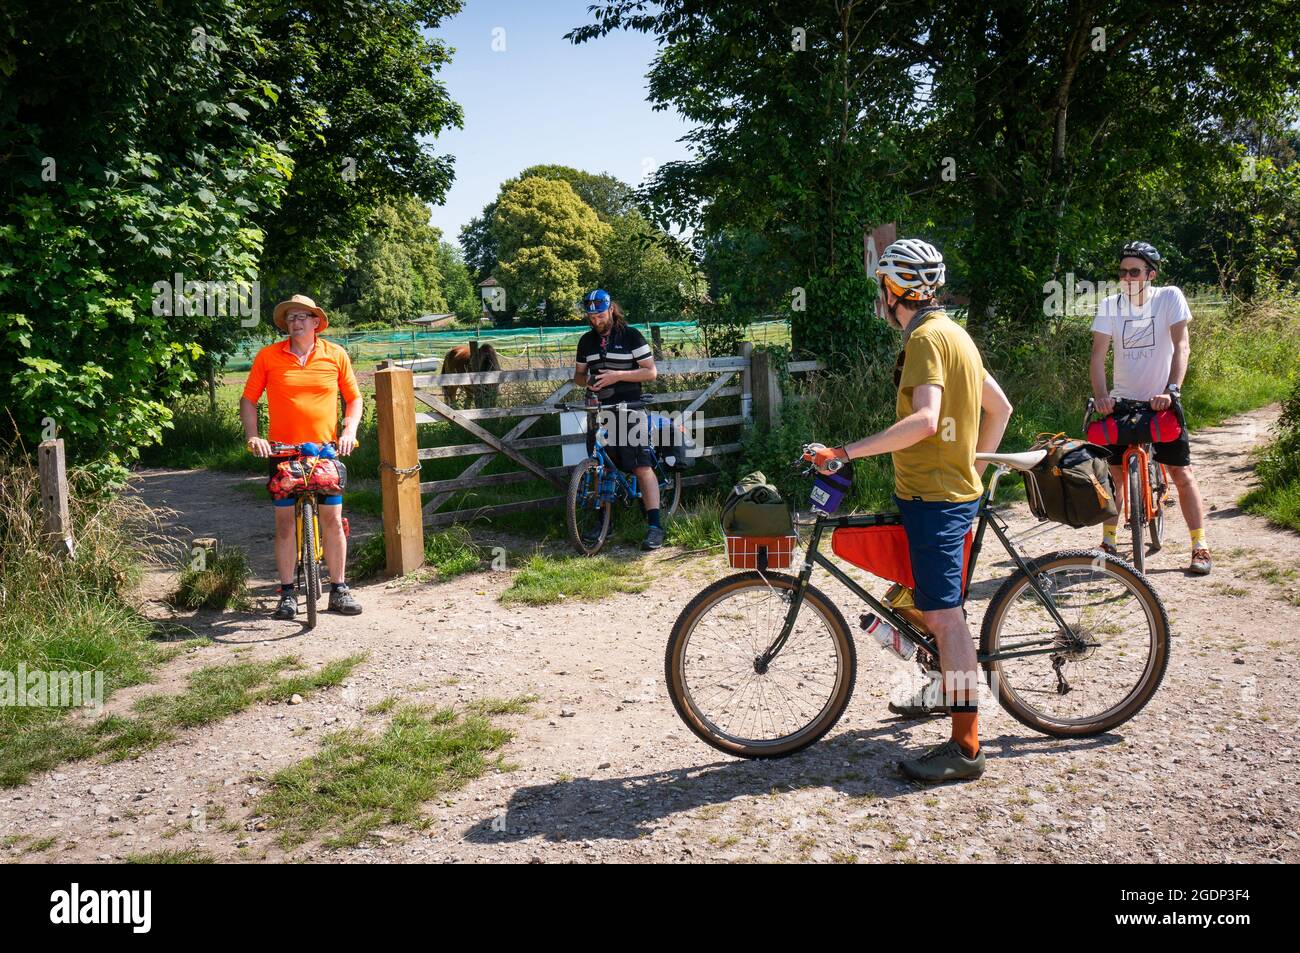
x=1144 y=250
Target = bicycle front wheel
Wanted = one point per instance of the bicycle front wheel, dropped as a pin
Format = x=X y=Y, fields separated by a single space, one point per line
x=1067 y=690
x=586 y=516
x=310 y=565
x=717 y=688
x=1137 y=511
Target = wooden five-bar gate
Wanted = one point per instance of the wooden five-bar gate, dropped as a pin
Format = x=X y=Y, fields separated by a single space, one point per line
x=407 y=396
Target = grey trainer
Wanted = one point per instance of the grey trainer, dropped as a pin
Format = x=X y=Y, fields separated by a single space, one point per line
x=945 y=762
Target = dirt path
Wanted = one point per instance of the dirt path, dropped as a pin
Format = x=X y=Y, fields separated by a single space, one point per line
x=1208 y=772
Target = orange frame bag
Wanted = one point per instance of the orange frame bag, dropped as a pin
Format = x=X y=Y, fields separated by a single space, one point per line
x=882 y=550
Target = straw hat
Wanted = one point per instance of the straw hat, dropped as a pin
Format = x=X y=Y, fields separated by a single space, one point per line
x=298 y=302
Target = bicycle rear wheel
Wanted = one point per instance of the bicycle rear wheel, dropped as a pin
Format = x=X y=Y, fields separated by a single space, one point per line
x=715 y=684
x=310 y=565
x=1137 y=506
x=1159 y=493
x=670 y=490
x=1071 y=692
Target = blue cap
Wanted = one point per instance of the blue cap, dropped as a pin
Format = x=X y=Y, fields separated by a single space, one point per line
x=596 y=302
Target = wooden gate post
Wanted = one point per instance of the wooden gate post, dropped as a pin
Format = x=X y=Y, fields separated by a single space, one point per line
x=54 y=498
x=399 y=470
x=657 y=337
x=747 y=381
x=767 y=390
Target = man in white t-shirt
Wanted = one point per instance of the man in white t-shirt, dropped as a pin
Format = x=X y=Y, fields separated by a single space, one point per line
x=1148 y=327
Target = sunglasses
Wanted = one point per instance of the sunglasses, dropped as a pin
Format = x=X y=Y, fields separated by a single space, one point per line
x=1133 y=272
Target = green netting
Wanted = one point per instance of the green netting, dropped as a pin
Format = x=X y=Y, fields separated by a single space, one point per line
x=544 y=342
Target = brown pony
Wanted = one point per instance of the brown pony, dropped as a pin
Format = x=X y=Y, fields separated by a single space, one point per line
x=457 y=362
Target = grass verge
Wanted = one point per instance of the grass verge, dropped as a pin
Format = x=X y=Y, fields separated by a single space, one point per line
x=545 y=580
x=1277 y=498
x=190 y=855
x=212 y=693
x=451 y=552
x=362 y=781
x=220 y=583
x=71 y=616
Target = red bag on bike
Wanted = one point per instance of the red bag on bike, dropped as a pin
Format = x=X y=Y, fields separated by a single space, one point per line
x=882 y=551
x=1149 y=426
x=325 y=475
x=290 y=479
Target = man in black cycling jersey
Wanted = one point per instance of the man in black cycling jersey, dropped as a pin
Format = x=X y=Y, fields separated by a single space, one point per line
x=613 y=360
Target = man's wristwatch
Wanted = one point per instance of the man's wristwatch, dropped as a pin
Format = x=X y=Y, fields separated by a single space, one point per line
x=1173 y=390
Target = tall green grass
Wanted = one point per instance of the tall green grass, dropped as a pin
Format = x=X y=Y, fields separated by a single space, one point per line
x=1278 y=466
x=71 y=615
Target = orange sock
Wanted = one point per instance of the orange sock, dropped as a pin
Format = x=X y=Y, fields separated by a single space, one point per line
x=965 y=731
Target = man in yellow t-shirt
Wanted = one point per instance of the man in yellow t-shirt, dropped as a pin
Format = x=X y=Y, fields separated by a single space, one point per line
x=942 y=387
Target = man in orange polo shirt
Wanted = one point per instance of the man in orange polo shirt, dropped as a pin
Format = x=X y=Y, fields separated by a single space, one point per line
x=303 y=377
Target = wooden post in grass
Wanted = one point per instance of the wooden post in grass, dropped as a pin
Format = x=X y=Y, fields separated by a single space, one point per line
x=475 y=390
x=54 y=498
x=657 y=336
x=207 y=546
x=767 y=390
x=399 y=470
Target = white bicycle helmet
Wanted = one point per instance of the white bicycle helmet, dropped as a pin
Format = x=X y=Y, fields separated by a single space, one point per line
x=911 y=269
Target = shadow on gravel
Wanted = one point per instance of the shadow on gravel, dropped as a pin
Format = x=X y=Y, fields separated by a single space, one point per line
x=859 y=763
x=245 y=628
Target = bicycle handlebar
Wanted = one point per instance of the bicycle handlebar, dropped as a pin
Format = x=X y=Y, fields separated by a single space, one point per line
x=283 y=448
x=809 y=454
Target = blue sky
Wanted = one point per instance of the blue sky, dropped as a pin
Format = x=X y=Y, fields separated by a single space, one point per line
x=542 y=99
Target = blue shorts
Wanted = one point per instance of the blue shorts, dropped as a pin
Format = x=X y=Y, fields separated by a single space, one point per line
x=936 y=538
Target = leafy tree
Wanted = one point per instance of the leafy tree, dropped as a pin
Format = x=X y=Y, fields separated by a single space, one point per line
x=397 y=275
x=1055 y=123
x=798 y=145
x=120 y=174
x=607 y=196
x=457 y=290
x=358 y=99
x=1016 y=139
x=650 y=274
x=549 y=241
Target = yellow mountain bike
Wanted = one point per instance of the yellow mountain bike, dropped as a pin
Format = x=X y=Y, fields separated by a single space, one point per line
x=310 y=549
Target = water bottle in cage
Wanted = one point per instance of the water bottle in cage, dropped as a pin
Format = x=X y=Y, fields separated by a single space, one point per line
x=888 y=636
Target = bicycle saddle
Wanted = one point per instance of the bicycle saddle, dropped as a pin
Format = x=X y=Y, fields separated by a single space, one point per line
x=1016 y=461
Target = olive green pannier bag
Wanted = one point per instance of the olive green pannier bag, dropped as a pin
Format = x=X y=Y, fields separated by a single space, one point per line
x=755 y=508
x=1072 y=485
